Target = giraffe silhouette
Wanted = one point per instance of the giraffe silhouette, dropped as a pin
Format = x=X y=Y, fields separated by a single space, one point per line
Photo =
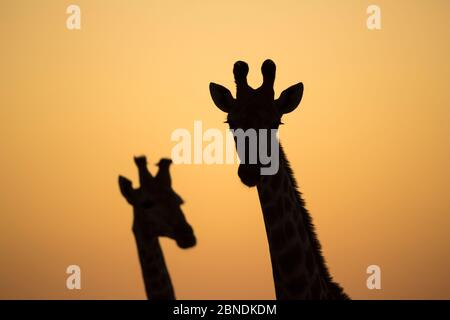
x=156 y=213
x=299 y=269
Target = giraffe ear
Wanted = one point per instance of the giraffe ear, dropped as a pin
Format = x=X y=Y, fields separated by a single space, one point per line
x=126 y=188
x=290 y=98
x=222 y=97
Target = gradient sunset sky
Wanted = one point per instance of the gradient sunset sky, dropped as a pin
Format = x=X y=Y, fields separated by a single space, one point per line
x=369 y=144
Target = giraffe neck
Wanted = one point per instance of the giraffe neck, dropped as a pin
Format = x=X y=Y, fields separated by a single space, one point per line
x=158 y=284
x=299 y=270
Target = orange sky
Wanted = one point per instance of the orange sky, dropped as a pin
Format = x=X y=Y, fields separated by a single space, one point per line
x=369 y=144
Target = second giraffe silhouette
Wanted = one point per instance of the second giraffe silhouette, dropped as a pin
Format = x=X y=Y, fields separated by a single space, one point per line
x=157 y=213
x=299 y=269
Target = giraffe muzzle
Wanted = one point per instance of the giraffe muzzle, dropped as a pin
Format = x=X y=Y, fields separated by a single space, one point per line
x=249 y=174
x=185 y=237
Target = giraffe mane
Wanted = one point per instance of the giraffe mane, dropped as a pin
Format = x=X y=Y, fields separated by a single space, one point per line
x=334 y=287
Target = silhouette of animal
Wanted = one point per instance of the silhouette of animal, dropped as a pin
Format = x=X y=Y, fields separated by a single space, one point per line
x=299 y=269
x=156 y=213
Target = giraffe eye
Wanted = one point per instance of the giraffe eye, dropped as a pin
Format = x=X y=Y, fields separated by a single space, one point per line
x=231 y=123
x=277 y=123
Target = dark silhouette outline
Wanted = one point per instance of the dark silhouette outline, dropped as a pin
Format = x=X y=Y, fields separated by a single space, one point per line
x=156 y=213
x=299 y=269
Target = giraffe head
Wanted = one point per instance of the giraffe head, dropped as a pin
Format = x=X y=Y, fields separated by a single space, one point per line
x=157 y=209
x=255 y=109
